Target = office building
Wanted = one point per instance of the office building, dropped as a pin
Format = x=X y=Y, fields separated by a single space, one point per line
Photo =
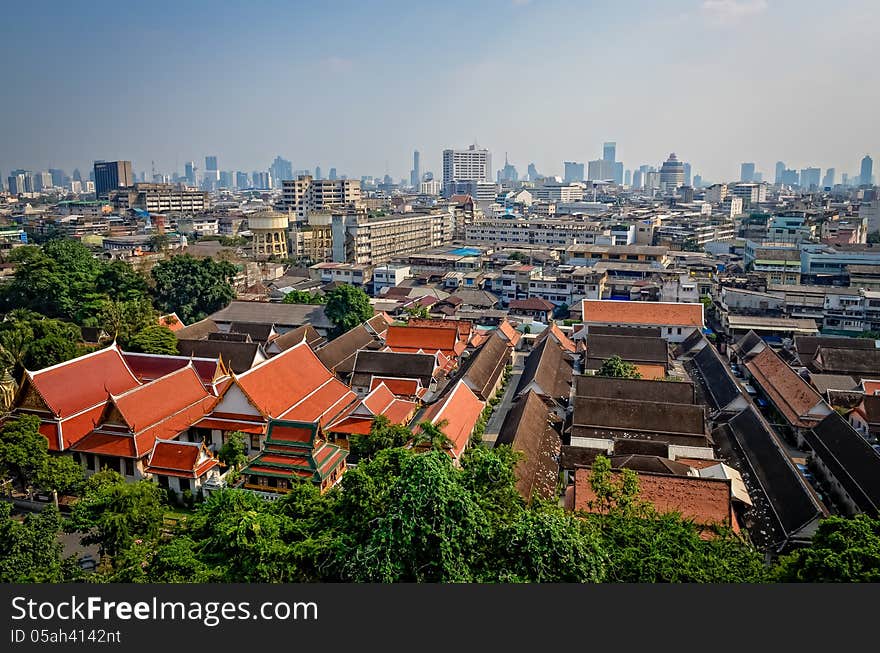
x=430 y=187
x=160 y=198
x=780 y=169
x=573 y=171
x=609 y=152
x=790 y=177
x=698 y=181
x=42 y=181
x=671 y=174
x=305 y=195
x=471 y=164
x=227 y=179
x=19 y=181
x=716 y=193
x=112 y=175
x=241 y=180
x=415 y=174
x=601 y=170
x=319 y=174
x=211 y=163
x=57 y=177
x=627 y=178
x=189 y=171
x=332 y=175
x=687 y=174
x=281 y=169
x=751 y=194
x=638 y=179
x=747 y=172
x=867 y=171
x=532 y=172
x=261 y=180
x=828 y=179
x=810 y=178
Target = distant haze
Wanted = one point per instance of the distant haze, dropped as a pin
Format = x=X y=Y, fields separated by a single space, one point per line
x=359 y=85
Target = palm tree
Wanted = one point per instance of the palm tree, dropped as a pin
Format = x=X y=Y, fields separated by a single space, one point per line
x=432 y=435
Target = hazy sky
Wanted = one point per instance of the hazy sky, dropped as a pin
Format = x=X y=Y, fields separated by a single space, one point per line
x=359 y=85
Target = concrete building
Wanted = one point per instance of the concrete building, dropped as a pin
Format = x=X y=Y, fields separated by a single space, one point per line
x=305 y=195
x=671 y=174
x=311 y=240
x=112 y=175
x=358 y=238
x=471 y=164
x=731 y=206
x=161 y=198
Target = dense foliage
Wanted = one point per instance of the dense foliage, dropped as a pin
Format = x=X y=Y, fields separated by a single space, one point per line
x=193 y=287
x=616 y=366
x=347 y=307
x=303 y=297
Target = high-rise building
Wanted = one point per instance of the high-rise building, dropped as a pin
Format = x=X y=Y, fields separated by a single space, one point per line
x=281 y=169
x=57 y=177
x=780 y=169
x=617 y=172
x=790 y=177
x=111 y=175
x=19 y=181
x=810 y=178
x=844 y=179
x=189 y=171
x=305 y=195
x=687 y=174
x=76 y=175
x=671 y=174
x=415 y=174
x=319 y=174
x=471 y=164
x=261 y=179
x=532 y=172
x=241 y=180
x=828 y=179
x=698 y=181
x=573 y=171
x=747 y=172
x=867 y=171
x=600 y=170
x=508 y=173
x=332 y=175
x=609 y=152
x=211 y=163
x=627 y=178
x=227 y=179
x=42 y=181
x=637 y=179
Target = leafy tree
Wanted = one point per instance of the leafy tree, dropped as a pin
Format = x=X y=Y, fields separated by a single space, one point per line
x=383 y=435
x=121 y=282
x=154 y=339
x=234 y=452
x=842 y=551
x=433 y=436
x=113 y=513
x=874 y=237
x=616 y=366
x=25 y=457
x=562 y=311
x=192 y=287
x=303 y=297
x=417 y=311
x=123 y=319
x=347 y=307
x=54 y=342
x=32 y=552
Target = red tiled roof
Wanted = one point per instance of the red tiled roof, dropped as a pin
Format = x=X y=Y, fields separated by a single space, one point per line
x=231 y=425
x=149 y=367
x=412 y=339
x=83 y=382
x=400 y=387
x=107 y=444
x=148 y=404
x=178 y=458
x=793 y=396
x=870 y=386
x=461 y=408
x=531 y=304
x=608 y=311
x=704 y=500
x=171 y=321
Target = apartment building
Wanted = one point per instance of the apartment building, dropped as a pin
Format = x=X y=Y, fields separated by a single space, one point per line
x=305 y=195
x=161 y=198
x=552 y=232
x=358 y=238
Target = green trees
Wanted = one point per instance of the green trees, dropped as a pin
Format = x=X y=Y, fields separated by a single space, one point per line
x=31 y=550
x=25 y=458
x=154 y=339
x=348 y=306
x=28 y=340
x=383 y=435
x=193 y=287
x=842 y=551
x=616 y=366
x=433 y=436
x=303 y=297
x=234 y=451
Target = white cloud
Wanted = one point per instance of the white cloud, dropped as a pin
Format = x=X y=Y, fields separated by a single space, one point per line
x=337 y=64
x=729 y=12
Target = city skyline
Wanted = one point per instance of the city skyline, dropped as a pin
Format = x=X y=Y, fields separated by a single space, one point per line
x=191 y=107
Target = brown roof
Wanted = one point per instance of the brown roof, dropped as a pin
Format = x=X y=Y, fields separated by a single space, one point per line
x=487 y=366
x=607 y=311
x=531 y=304
x=792 y=395
x=197 y=330
x=547 y=367
x=855 y=362
x=806 y=346
x=527 y=429
x=645 y=332
x=644 y=463
x=338 y=354
x=705 y=501
x=674 y=392
x=388 y=363
x=295 y=336
x=237 y=356
x=642 y=416
x=629 y=348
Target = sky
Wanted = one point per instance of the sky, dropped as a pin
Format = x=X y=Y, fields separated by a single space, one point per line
x=359 y=85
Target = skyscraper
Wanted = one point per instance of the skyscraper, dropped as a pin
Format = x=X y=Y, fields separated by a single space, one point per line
x=609 y=152
x=747 y=172
x=110 y=175
x=532 y=172
x=332 y=176
x=698 y=181
x=189 y=171
x=867 y=171
x=780 y=169
x=416 y=173
x=57 y=177
x=318 y=172
x=241 y=180
x=671 y=174
x=281 y=169
x=573 y=171
x=471 y=164
x=687 y=174
x=76 y=175
x=211 y=163
x=627 y=178
x=810 y=178
x=828 y=180
x=508 y=173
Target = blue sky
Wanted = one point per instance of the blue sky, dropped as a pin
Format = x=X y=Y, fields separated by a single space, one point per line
x=359 y=85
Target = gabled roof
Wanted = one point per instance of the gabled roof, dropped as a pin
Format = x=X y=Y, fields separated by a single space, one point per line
x=413 y=339
x=641 y=416
x=750 y=343
x=198 y=330
x=512 y=335
x=149 y=367
x=380 y=401
x=295 y=385
x=799 y=403
x=629 y=348
x=806 y=346
x=75 y=385
x=461 y=408
x=857 y=362
x=238 y=356
x=338 y=354
x=556 y=333
x=850 y=459
x=171 y=321
x=295 y=450
x=546 y=371
x=293 y=337
x=527 y=429
x=613 y=312
x=258 y=332
x=180 y=458
x=283 y=316
x=486 y=366
x=715 y=378
x=409 y=388
x=531 y=304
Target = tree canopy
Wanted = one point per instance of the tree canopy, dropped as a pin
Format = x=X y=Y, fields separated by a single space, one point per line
x=616 y=366
x=154 y=339
x=348 y=306
x=193 y=287
x=25 y=458
x=303 y=297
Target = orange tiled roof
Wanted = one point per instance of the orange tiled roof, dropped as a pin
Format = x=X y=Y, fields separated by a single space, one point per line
x=461 y=408
x=511 y=334
x=608 y=311
x=148 y=404
x=706 y=501
x=381 y=401
x=651 y=372
x=412 y=339
x=171 y=321
x=870 y=386
x=400 y=387
x=793 y=396
x=178 y=458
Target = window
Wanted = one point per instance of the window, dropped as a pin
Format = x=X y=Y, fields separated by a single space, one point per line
x=129 y=467
x=90 y=461
x=678 y=330
x=184 y=484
